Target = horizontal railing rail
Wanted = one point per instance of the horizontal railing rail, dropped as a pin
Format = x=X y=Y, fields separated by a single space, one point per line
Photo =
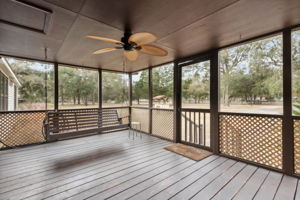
x=195 y=110
x=251 y=114
x=296 y=117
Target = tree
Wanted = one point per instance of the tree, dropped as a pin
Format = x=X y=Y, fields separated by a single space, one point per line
x=196 y=83
x=37 y=82
x=296 y=71
x=162 y=80
x=78 y=85
x=252 y=72
x=140 y=86
x=229 y=61
x=115 y=87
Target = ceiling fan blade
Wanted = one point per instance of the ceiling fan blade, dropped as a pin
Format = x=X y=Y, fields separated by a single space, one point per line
x=105 y=39
x=142 y=38
x=131 y=55
x=106 y=50
x=153 y=50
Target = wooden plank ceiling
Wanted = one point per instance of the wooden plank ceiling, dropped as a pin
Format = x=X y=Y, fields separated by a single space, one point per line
x=183 y=28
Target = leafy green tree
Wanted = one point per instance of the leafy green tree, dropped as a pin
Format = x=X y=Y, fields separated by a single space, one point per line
x=78 y=85
x=296 y=71
x=229 y=60
x=37 y=82
x=252 y=72
x=115 y=87
x=162 y=80
x=141 y=87
x=195 y=84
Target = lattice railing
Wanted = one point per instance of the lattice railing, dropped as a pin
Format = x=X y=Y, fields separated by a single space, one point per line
x=142 y=116
x=163 y=123
x=26 y=127
x=20 y=128
x=252 y=137
x=297 y=145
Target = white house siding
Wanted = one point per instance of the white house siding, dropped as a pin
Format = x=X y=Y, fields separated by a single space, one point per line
x=11 y=95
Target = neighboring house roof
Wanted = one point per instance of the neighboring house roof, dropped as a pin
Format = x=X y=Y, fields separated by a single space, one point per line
x=6 y=69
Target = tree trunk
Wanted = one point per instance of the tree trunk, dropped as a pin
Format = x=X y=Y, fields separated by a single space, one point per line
x=78 y=99
x=226 y=95
x=85 y=100
x=62 y=96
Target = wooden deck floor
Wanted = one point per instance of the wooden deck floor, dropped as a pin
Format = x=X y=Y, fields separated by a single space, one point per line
x=111 y=166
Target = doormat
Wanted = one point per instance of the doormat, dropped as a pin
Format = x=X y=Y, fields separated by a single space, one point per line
x=188 y=151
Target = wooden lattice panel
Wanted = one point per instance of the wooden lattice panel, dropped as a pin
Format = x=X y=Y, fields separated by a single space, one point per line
x=253 y=138
x=20 y=128
x=142 y=116
x=163 y=123
x=297 y=145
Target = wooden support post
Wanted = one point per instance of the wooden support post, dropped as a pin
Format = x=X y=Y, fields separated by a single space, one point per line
x=177 y=102
x=130 y=97
x=56 y=86
x=287 y=128
x=214 y=102
x=150 y=100
x=100 y=88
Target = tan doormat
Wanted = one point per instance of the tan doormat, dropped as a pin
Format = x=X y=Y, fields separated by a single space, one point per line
x=188 y=151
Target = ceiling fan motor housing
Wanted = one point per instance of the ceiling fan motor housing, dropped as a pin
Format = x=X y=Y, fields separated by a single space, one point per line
x=127 y=46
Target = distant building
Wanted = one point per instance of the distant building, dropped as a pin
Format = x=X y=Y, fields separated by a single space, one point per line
x=8 y=87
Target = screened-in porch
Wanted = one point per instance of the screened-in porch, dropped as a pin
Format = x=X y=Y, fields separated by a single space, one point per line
x=91 y=92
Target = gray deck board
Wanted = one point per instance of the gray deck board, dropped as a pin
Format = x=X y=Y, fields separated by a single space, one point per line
x=111 y=153
x=248 y=190
x=59 y=183
x=203 y=181
x=297 y=195
x=112 y=166
x=235 y=184
x=83 y=168
x=156 y=184
x=287 y=188
x=216 y=185
x=172 y=185
x=269 y=187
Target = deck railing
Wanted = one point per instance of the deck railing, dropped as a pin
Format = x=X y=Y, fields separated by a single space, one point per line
x=195 y=127
x=156 y=121
x=18 y=128
x=252 y=137
x=141 y=114
x=296 y=123
x=163 y=123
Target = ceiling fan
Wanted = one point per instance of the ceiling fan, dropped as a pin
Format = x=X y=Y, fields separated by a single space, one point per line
x=132 y=44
